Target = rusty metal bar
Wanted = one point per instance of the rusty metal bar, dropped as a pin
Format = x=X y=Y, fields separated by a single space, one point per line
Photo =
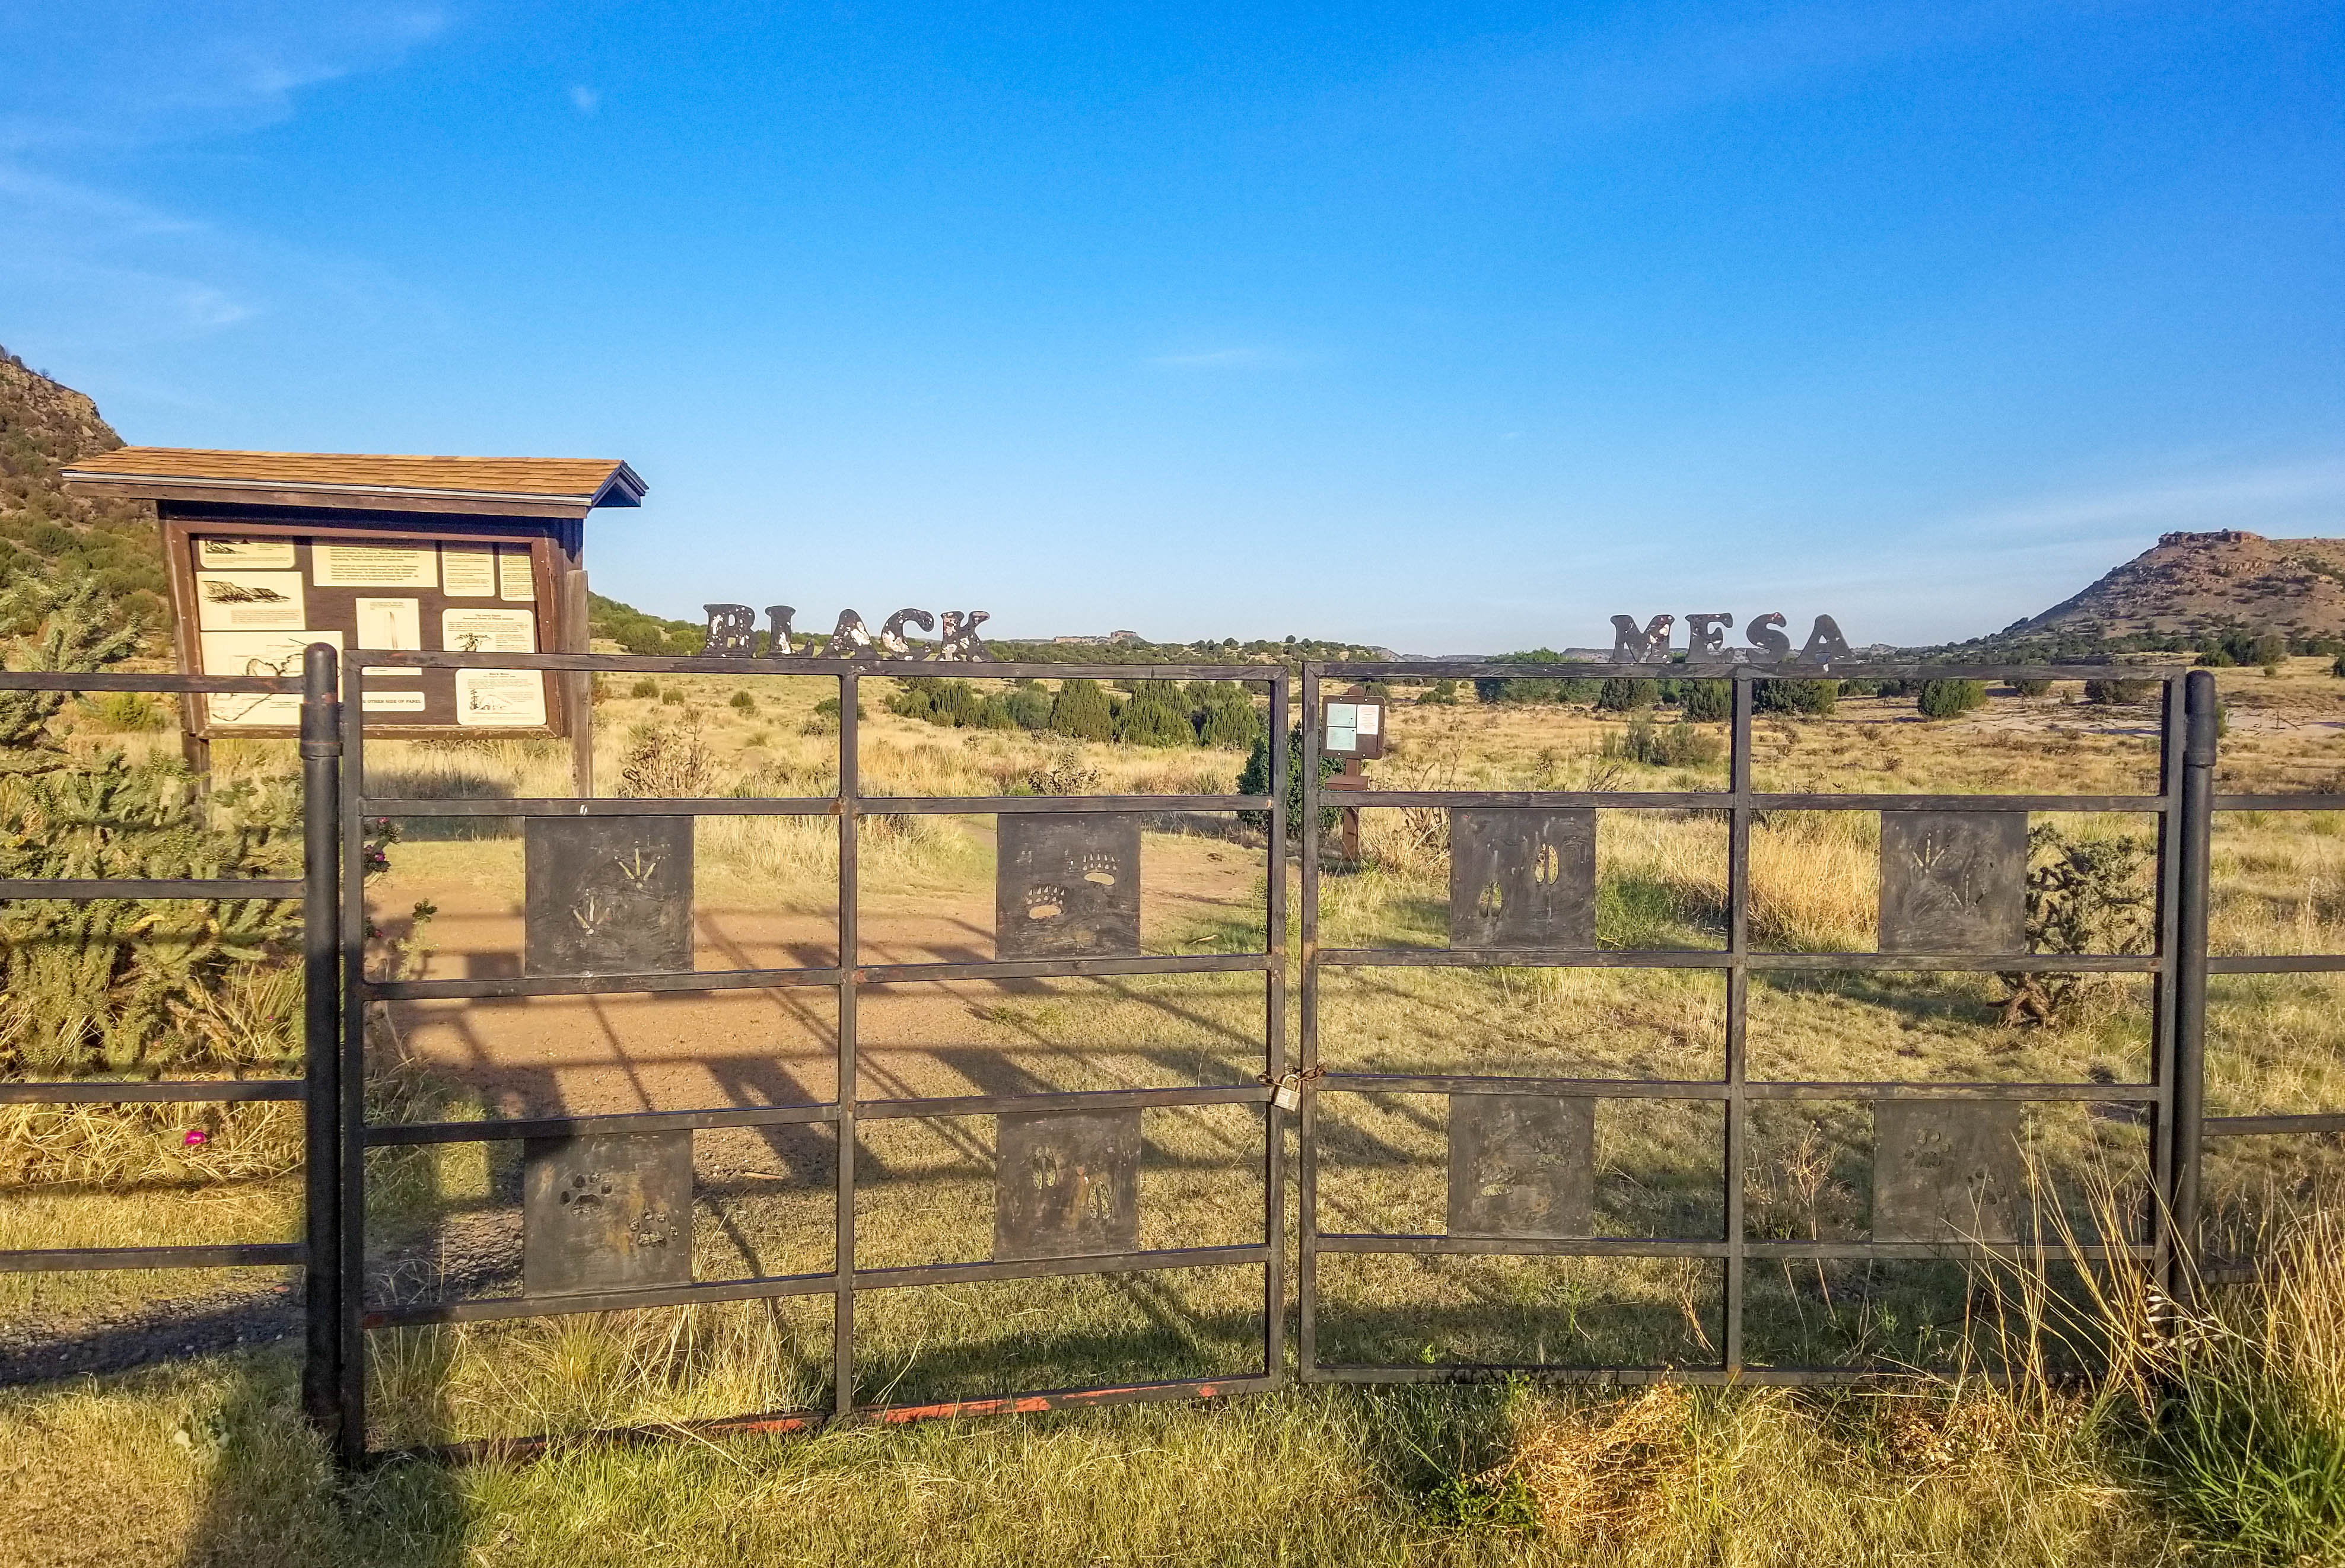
x=171 y=1091
x=1725 y=958
x=241 y=1255
x=350 y=1441
x=701 y=1293
x=1735 y=1156
x=849 y=1089
x=2192 y=844
x=1722 y=1089
x=1729 y=669
x=2250 y=1126
x=85 y=889
x=1308 y=1150
x=814 y=806
x=321 y=1044
x=1273 y=1121
x=80 y=681
x=1702 y=802
x=698 y=664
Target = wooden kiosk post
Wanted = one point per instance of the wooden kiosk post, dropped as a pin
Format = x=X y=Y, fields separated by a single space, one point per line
x=271 y=551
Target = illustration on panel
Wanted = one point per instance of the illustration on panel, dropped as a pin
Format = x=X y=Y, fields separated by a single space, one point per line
x=1066 y=886
x=1522 y=877
x=1066 y=1183
x=609 y=896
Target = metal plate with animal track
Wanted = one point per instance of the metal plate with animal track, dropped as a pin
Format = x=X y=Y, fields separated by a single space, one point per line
x=607 y=1213
x=1066 y=886
x=1521 y=1165
x=609 y=896
x=1066 y=1184
x=1954 y=882
x=1945 y=1170
x=1522 y=877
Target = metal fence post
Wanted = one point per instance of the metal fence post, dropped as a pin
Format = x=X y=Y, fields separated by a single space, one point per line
x=2190 y=978
x=321 y=1035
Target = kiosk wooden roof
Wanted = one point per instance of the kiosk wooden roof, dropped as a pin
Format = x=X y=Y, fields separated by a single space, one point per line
x=511 y=487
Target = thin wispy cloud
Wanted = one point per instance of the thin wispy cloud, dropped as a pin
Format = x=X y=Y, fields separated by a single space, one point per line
x=584 y=99
x=124 y=271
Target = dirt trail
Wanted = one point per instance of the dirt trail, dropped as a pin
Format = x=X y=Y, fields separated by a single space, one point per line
x=678 y=1050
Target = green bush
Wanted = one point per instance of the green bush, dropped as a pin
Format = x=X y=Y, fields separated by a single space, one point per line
x=2032 y=688
x=1157 y=715
x=1813 y=698
x=1029 y=706
x=1626 y=695
x=1083 y=711
x=673 y=697
x=994 y=713
x=745 y=701
x=936 y=701
x=1226 y=715
x=2119 y=692
x=645 y=687
x=1676 y=745
x=1950 y=699
x=1442 y=693
x=1254 y=779
x=1706 y=701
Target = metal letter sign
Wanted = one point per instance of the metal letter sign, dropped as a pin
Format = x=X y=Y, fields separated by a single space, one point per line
x=1945 y=1170
x=1521 y=1165
x=1066 y=886
x=1066 y=1184
x=609 y=896
x=1521 y=877
x=609 y=1212
x=1954 y=882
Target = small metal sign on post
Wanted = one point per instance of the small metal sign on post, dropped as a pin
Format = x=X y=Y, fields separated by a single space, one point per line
x=1352 y=727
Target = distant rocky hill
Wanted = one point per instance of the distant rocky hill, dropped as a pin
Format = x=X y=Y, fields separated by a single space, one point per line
x=44 y=426
x=2197 y=584
x=2202 y=590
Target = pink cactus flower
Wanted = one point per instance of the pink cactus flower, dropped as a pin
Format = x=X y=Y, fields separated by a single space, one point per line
x=197 y=1138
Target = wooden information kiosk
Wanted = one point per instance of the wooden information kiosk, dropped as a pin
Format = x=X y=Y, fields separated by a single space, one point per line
x=271 y=551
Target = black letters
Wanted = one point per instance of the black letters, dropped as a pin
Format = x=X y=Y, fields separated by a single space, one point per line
x=849 y=638
x=891 y=635
x=732 y=631
x=1633 y=646
x=961 y=645
x=1765 y=637
x=1703 y=636
x=1825 y=643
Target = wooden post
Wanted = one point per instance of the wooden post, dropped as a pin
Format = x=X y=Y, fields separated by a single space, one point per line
x=578 y=687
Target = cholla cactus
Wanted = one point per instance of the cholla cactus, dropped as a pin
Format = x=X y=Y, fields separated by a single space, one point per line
x=118 y=985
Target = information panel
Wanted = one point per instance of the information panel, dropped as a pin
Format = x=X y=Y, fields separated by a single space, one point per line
x=259 y=600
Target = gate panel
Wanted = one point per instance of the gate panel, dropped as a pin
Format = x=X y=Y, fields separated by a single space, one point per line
x=627 y=1208
x=1933 y=1168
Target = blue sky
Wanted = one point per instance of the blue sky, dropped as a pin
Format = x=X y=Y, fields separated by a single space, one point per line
x=1458 y=327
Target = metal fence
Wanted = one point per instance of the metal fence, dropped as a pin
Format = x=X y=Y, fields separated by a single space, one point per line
x=1523 y=825
x=317 y=890
x=1535 y=846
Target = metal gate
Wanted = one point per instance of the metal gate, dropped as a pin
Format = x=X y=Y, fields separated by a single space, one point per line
x=1975 y=833
x=1523 y=901
x=1079 y=1216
